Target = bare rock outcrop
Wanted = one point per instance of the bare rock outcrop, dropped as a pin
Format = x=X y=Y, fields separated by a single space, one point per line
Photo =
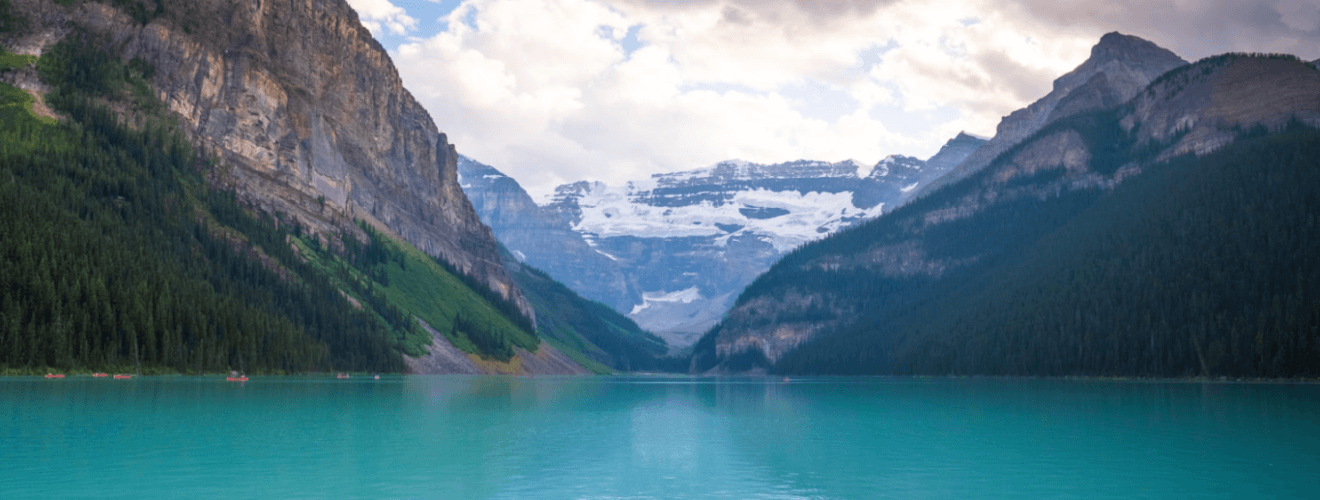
x=1120 y=66
x=1201 y=109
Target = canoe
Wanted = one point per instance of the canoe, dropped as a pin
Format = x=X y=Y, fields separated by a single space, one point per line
x=54 y=375
x=123 y=376
x=99 y=375
x=237 y=379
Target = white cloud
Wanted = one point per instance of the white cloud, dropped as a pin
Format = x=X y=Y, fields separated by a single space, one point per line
x=378 y=15
x=547 y=91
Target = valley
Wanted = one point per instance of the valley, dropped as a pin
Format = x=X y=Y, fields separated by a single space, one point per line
x=265 y=195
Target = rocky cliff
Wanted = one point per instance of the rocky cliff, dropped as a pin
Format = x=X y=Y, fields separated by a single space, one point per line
x=1200 y=108
x=305 y=110
x=1119 y=67
x=542 y=238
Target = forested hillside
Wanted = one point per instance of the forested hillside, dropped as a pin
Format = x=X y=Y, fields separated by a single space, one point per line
x=589 y=331
x=118 y=255
x=1168 y=236
x=1197 y=267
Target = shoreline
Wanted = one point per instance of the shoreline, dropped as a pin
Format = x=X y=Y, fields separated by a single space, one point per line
x=778 y=378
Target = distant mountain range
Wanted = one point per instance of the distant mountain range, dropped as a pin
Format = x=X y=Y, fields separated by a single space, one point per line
x=673 y=251
x=186 y=196
x=1147 y=217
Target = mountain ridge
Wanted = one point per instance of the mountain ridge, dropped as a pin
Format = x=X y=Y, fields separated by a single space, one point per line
x=1119 y=66
x=958 y=232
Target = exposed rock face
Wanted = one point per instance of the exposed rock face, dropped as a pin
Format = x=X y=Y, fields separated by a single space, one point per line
x=1120 y=66
x=673 y=251
x=1199 y=109
x=442 y=358
x=952 y=154
x=1194 y=109
x=778 y=335
x=445 y=359
x=542 y=238
x=310 y=113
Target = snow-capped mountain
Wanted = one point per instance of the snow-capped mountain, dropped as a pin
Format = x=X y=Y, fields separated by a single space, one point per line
x=541 y=238
x=686 y=243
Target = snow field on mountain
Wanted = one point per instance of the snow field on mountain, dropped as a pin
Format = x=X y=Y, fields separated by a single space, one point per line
x=686 y=296
x=616 y=211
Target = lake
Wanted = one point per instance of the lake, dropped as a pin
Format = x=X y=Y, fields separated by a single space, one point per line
x=459 y=437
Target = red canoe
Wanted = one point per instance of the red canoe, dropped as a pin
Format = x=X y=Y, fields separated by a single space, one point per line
x=236 y=379
x=123 y=376
x=54 y=375
x=99 y=375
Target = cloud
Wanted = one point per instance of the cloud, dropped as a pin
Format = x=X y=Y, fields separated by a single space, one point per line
x=1194 y=28
x=555 y=91
x=381 y=17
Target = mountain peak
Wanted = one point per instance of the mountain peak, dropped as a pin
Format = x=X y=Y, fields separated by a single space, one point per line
x=1120 y=66
x=1130 y=49
x=966 y=136
x=1135 y=61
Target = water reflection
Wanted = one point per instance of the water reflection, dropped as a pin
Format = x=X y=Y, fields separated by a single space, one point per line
x=655 y=437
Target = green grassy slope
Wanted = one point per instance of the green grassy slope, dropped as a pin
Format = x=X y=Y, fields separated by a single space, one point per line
x=591 y=333
x=407 y=280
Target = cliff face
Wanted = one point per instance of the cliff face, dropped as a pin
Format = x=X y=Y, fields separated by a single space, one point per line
x=1120 y=66
x=1200 y=108
x=544 y=239
x=308 y=110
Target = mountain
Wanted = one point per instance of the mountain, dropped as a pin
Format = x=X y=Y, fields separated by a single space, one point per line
x=307 y=109
x=672 y=251
x=541 y=238
x=592 y=332
x=1168 y=235
x=589 y=332
x=259 y=189
x=1119 y=67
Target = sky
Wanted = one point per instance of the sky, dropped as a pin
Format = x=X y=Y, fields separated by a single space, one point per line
x=558 y=91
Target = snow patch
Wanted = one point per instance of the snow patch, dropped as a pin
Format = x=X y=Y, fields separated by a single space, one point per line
x=863 y=170
x=909 y=188
x=684 y=296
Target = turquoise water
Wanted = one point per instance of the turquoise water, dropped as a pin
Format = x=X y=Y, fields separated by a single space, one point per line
x=642 y=437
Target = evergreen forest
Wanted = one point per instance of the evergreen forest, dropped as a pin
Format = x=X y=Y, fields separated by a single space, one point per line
x=592 y=333
x=1198 y=267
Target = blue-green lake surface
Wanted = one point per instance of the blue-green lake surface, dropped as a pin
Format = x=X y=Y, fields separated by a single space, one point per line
x=649 y=437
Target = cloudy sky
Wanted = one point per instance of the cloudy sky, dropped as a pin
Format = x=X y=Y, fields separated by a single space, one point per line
x=556 y=91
